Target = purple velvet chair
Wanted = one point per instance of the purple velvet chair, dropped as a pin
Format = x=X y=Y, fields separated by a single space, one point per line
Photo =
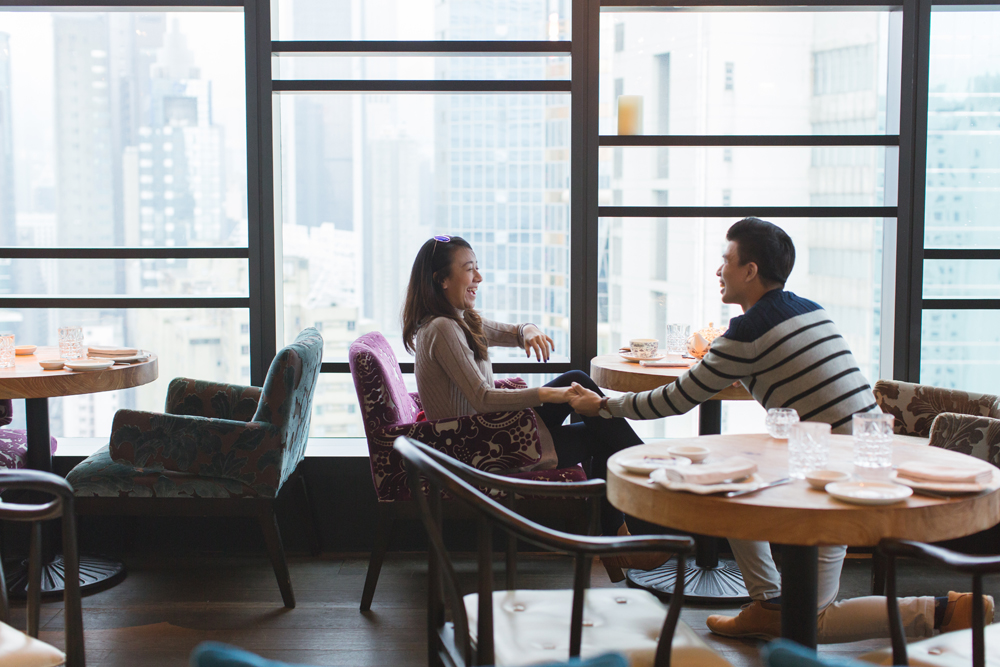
x=14 y=442
x=496 y=442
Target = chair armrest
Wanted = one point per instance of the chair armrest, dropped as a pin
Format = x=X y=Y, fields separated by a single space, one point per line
x=969 y=434
x=510 y=383
x=35 y=480
x=217 y=400
x=416 y=399
x=940 y=556
x=249 y=452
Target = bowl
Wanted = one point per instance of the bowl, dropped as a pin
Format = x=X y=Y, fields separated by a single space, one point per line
x=24 y=349
x=696 y=453
x=52 y=364
x=818 y=479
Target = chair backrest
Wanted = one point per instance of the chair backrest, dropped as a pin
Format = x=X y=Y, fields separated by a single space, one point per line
x=916 y=405
x=382 y=395
x=6 y=411
x=61 y=505
x=286 y=398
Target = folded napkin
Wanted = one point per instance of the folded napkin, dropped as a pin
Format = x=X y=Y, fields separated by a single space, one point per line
x=735 y=467
x=939 y=474
x=108 y=351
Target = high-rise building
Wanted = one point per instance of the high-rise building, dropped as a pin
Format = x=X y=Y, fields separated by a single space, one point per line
x=8 y=227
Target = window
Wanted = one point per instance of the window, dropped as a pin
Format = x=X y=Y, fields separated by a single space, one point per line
x=729 y=75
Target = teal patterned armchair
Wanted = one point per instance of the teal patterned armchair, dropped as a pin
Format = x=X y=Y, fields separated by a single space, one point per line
x=218 y=449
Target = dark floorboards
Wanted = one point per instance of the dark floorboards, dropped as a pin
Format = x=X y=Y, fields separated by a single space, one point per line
x=167 y=605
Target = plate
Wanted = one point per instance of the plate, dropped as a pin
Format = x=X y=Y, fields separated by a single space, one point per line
x=24 y=349
x=634 y=359
x=643 y=465
x=89 y=364
x=749 y=484
x=52 y=364
x=869 y=493
x=952 y=488
x=142 y=355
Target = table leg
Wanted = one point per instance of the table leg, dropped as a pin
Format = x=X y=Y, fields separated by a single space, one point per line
x=95 y=572
x=799 y=574
x=708 y=579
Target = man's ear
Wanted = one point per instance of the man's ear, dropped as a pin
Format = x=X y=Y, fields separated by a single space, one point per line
x=751 y=271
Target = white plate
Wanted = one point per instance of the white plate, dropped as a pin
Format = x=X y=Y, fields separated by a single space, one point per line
x=130 y=359
x=634 y=359
x=660 y=477
x=953 y=488
x=52 y=364
x=643 y=465
x=24 y=349
x=869 y=493
x=89 y=364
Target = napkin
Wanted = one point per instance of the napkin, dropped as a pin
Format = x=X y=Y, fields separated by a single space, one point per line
x=735 y=467
x=697 y=345
x=939 y=474
x=665 y=363
x=108 y=351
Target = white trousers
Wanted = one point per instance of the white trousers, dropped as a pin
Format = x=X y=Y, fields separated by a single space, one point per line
x=850 y=620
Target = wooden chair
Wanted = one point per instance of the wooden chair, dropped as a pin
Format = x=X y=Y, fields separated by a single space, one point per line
x=493 y=442
x=952 y=648
x=17 y=648
x=535 y=627
x=219 y=450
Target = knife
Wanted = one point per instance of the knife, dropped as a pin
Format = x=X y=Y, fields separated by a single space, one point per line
x=777 y=482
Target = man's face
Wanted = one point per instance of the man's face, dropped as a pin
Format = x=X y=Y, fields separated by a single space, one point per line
x=732 y=275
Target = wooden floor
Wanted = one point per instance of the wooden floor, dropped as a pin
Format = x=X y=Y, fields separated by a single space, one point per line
x=167 y=605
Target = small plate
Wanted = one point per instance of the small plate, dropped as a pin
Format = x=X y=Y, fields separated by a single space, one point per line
x=818 y=479
x=52 y=364
x=634 y=359
x=953 y=488
x=643 y=465
x=89 y=364
x=869 y=493
x=696 y=453
x=24 y=349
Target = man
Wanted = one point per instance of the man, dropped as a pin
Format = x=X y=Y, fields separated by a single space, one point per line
x=788 y=353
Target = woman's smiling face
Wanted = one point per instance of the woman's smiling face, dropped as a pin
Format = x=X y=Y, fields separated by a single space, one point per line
x=461 y=285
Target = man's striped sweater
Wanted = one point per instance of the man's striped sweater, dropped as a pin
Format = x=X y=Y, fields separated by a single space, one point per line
x=786 y=351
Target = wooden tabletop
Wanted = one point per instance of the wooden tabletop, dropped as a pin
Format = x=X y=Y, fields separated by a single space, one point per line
x=610 y=371
x=28 y=380
x=795 y=513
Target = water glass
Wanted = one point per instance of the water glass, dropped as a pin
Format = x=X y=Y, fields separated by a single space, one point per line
x=71 y=342
x=873 y=440
x=779 y=422
x=808 y=448
x=677 y=335
x=7 y=351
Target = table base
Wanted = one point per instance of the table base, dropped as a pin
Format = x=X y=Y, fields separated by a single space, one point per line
x=95 y=574
x=721 y=584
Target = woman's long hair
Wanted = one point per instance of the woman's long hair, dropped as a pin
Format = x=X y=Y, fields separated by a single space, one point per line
x=425 y=299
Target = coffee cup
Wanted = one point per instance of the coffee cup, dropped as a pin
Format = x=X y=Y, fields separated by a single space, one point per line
x=644 y=348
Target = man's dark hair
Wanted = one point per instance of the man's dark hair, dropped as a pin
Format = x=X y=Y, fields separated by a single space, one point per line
x=766 y=245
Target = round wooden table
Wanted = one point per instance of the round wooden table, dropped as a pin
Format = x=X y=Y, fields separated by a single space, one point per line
x=710 y=579
x=29 y=381
x=800 y=518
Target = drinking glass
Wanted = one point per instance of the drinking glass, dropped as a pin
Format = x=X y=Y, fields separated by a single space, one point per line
x=808 y=448
x=873 y=440
x=71 y=342
x=7 y=351
x=677 y=335
x=779 y=422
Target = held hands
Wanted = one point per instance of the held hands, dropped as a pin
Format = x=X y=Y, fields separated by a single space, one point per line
x=542 y=345
x=584 y=401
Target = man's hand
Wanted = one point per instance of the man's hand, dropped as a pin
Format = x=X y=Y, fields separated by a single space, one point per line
x=542 y=345
x=584 y=401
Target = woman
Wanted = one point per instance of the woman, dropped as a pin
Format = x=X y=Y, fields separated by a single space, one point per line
x=454 y=376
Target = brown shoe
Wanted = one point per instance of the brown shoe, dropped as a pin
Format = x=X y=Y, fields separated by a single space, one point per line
x=958 y=615
x=639 y=561
x=757 y=619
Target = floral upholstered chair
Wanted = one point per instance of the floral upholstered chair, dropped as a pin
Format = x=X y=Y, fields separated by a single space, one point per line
x=14 y=442
x=497 y=442
x=958 y=420
x=219 y=449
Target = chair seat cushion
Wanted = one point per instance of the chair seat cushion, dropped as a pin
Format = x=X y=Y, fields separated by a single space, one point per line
x=531 y=627
x=19 y=650
x=14 y=448
x=952 y=649
x=100 y=476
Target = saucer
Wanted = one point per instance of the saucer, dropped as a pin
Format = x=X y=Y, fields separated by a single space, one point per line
x=869 y=493
x=22 y=350
x=52 y=364
x=89 y=364
x=634 y=359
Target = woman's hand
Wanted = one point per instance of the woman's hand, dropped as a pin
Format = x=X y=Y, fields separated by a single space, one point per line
x=584 y=401
x=542 y=345
x=555 y=394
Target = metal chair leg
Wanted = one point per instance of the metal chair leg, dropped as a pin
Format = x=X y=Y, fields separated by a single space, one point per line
x=275 y=550
x=383 y=528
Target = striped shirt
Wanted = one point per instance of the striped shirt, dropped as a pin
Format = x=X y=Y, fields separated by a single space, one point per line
x=786 y=351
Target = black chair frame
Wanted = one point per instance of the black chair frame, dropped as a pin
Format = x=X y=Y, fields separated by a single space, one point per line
x=61 y=505
x=977 y=566
x=429 y=473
